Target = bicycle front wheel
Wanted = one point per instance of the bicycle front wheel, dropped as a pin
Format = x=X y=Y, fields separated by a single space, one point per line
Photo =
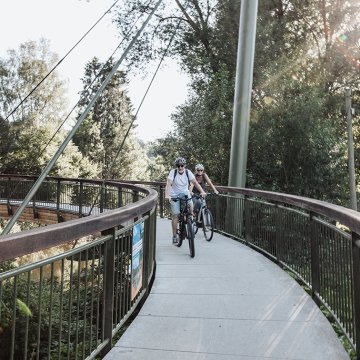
x=181 y=232
x=208 y=224
x=190 y=236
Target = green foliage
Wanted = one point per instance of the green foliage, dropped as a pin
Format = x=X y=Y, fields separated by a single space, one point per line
x=293 y=147
x=306 y=52
x=20 y=72
x=203 y=123
x=23 y=308
x=25 y=135
x=105 y=136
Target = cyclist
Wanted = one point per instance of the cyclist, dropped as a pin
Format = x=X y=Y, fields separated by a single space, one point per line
x=177 y=185
x=202 y=178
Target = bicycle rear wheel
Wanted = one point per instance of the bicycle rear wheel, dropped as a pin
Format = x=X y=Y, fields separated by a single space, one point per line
x=190 y=236
x=208 y=224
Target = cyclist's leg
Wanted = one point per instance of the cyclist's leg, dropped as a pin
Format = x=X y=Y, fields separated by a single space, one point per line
x=175 y=211
x=197 y=204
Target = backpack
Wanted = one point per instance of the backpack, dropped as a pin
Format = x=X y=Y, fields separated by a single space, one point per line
x=187 y=174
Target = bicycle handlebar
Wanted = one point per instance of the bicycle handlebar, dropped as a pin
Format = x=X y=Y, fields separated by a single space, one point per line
x=197 y=196
x=186 y=197
x=194 y=195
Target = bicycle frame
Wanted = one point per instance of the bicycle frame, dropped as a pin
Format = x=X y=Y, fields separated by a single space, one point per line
x=185 y=229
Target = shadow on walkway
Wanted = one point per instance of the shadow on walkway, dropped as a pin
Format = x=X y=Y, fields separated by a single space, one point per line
x=227 y=303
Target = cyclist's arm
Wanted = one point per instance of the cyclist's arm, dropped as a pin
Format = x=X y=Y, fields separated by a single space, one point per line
x=198 y=186
x=167 y=189
x=191 y=186
x=211 y=184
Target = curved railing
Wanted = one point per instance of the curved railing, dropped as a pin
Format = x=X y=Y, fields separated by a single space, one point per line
x=317 y=241
x=89 y=274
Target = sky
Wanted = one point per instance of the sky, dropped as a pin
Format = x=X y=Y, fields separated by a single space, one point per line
x=64 y=22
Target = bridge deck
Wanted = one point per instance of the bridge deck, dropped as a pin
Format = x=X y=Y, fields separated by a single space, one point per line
x=227 y=303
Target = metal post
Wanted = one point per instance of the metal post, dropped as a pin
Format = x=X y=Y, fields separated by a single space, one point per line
x=242 y=98
x=356 y=277
x=315 y=263
x=353 y=203
x=108 y=307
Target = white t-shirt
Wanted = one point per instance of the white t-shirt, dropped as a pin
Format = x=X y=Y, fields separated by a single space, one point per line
x=180 y=184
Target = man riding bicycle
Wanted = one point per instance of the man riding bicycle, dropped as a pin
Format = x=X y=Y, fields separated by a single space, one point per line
x=177 y=185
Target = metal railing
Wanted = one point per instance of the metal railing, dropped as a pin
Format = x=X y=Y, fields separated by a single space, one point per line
x=317 y=241
x=70 y=305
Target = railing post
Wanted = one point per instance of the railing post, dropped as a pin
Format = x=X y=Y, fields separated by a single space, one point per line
x=58 y=201
x=108 y=306
x=35 y=213
x=8 y=193
x=315 y=263
x=162 y=201
x=135 y=199
x=81 y=191
x=146 y=247
x=356 y=277
x=105 y=205
x=217 y=212
x=101 y=199
x=120 y=199
x=278 y=234
x=247 y=220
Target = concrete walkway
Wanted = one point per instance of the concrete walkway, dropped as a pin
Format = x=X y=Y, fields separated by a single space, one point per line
x=227 y=303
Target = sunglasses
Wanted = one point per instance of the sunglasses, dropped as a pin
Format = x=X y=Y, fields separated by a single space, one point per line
x=180 y=165
x=200 y=170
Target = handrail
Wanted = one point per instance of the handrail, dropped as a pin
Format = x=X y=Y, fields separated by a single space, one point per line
x=319 y=242
x=37 y=239
x=85 y=293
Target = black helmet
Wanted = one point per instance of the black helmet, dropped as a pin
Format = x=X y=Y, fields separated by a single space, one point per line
x=180 y=161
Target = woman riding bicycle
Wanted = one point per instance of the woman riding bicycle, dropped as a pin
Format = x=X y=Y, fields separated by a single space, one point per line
x=202 y=178
x=177 y=185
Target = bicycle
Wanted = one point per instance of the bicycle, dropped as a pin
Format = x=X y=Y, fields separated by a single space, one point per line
x=204 y=219
x=185 y=224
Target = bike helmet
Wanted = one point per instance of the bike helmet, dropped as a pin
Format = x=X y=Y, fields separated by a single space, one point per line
x=180 y=161
x=199 y=167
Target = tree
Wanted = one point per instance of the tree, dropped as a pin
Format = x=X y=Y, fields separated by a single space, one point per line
x=105 y=136
x=303 y=48
x=20 y=73
x=203 y=129
x=25 y=135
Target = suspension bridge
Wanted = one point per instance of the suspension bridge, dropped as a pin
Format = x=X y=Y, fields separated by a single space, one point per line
x=239 y=298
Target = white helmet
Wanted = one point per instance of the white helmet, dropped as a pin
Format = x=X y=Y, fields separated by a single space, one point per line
x=180 y=161
x=199 y=167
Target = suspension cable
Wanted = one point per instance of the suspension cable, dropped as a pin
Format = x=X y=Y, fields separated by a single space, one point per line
x=91 y=83
x=59 y=62
x=51 y=163
x=137 y=111
x=86 y=88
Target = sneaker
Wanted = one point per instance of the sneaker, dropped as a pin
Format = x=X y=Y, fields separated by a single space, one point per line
x=175 y=239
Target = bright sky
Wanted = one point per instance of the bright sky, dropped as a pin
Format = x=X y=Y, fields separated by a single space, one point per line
x=64 y=22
